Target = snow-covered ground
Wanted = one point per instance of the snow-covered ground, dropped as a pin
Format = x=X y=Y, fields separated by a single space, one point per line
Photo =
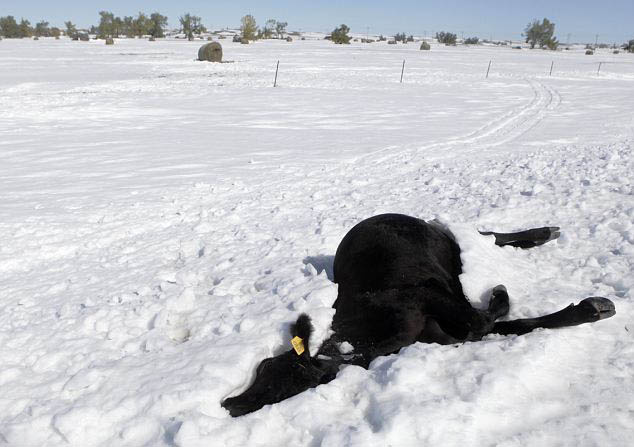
x=164 y=220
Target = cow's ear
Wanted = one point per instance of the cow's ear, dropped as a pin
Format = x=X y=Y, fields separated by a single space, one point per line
x=301 y=331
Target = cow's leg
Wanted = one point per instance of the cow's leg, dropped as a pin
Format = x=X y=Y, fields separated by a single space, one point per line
x=457 y=324
x=433 y=333
x=525 y=239
x=481 y=322
x=498 y=302
x=426 y=330
x=444 y=320
x=450 y=323
x=587 y=311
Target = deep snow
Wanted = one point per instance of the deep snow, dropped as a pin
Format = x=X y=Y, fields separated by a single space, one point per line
x=163 y=221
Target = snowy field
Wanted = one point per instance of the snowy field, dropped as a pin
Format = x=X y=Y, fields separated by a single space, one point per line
x=164 y=220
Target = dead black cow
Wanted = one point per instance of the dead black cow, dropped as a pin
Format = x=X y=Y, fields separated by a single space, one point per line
x=398 y=284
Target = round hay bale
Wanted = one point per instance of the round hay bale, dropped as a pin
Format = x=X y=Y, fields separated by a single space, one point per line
x=36 y=38
x=152 y=39
x=209 y=38
x=244 y=41
x=391 y=42
x=425 y=46
x=615 y=52
x=222 y=37
x=289 y=39
x=237 y=38
x=589 y=52
x=56 y=37
x=211 y=52
x=109 y=41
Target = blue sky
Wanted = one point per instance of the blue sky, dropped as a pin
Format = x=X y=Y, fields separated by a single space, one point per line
x=582 y=19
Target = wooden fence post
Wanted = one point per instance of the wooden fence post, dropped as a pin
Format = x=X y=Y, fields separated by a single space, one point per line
x=276 y=68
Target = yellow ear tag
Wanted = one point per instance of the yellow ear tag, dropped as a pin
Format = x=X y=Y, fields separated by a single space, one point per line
x=298 y=345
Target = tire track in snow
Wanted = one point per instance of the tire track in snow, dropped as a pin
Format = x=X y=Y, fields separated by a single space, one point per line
x=496 y=132
x=500 y=130
x=509 y=128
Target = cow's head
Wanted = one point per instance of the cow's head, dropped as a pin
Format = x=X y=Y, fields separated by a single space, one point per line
x=280 y=377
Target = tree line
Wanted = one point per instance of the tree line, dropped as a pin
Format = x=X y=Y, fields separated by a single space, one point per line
x=154 y=25
x=110 y=25
x=10 y=28
x=537 y=34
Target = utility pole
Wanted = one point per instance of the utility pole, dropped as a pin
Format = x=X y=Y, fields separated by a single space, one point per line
x=596 y=40
x=568 y=40
x=367 y=33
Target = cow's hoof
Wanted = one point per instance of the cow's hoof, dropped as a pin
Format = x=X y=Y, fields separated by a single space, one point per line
x=553 y=234
x=499 y=302
x=544 y=235
x=596 y=308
